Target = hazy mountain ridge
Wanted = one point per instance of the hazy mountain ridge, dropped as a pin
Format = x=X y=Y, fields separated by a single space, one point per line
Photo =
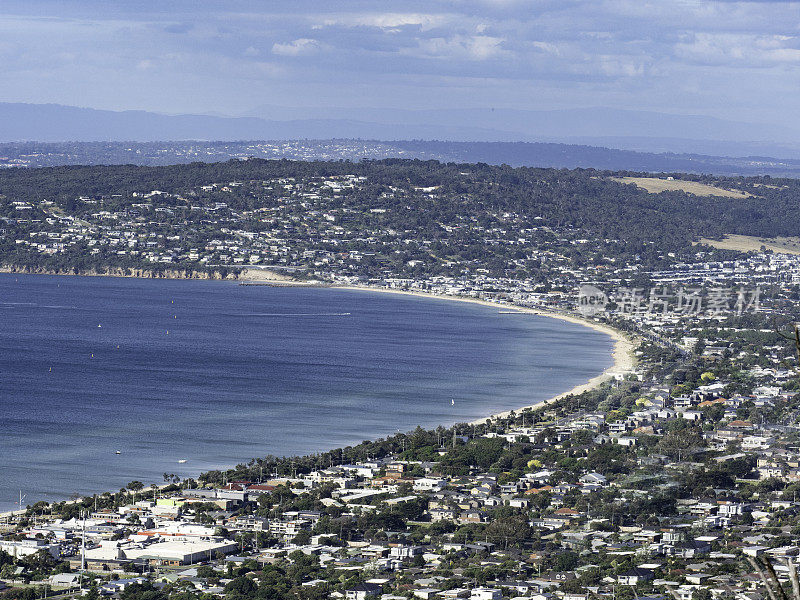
x=554 y=125
x=57 y=123
x=639 y=131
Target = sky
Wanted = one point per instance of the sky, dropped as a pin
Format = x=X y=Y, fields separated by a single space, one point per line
x=729 y=59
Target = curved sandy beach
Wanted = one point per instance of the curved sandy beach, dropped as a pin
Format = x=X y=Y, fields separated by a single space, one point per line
x=622 y=354
x=623 y=347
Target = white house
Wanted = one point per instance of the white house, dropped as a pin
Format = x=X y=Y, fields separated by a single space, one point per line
x=634 y=576
x=429 y=484
x=485 y=594
x=19 y=548
x=595 y=478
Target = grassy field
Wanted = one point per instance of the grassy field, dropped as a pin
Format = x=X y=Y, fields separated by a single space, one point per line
x=654 y=185
x=746 y=243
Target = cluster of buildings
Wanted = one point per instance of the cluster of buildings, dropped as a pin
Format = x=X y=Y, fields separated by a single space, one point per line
x=350 y=229
x=568 y=546
x=170 y=153
x=669 y=482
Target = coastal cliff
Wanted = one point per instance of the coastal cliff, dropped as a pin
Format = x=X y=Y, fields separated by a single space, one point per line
x=260 y=275
x=124 y=272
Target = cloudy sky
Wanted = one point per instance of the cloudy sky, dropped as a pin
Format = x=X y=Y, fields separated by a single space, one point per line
x=738 y=60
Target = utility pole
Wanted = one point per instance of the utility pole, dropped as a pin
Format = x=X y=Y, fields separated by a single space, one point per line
x=83 y=547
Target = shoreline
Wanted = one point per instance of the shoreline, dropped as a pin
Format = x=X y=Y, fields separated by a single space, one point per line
x=123 y=273
x=622 y=355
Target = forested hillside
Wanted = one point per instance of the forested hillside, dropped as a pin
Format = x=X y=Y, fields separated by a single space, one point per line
x=451 y=213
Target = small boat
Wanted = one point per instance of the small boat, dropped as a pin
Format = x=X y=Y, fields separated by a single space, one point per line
x=181 y=461
x=99 y=325
x=117 y=452
x=452 y=402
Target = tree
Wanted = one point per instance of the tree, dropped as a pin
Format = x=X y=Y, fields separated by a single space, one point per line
x=206 y=572
x=701 y=594
x=507 y=531
x=142 y=591
x=302 y=538
x=135 y=486
x=243 y=586
x=607 y=459
x=566 y=561
x=41 y=561
x=5 y=558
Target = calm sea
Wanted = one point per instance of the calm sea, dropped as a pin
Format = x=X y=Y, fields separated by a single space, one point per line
x=215 y=373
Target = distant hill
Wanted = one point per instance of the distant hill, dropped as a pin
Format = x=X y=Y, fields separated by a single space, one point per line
x=39 y=154
x=564 y=123
x=643 y=131
x=57 y=123
x=640 y=131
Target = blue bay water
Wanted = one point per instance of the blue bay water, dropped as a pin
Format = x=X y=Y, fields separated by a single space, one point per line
x=215 y=373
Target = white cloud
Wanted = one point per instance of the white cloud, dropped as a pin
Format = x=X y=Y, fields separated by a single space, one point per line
x=737 y=49
x=476 y=47
x=298 y=47
x=547 y=48
x=620 y=66
x=387 y=20
x=559 y=52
